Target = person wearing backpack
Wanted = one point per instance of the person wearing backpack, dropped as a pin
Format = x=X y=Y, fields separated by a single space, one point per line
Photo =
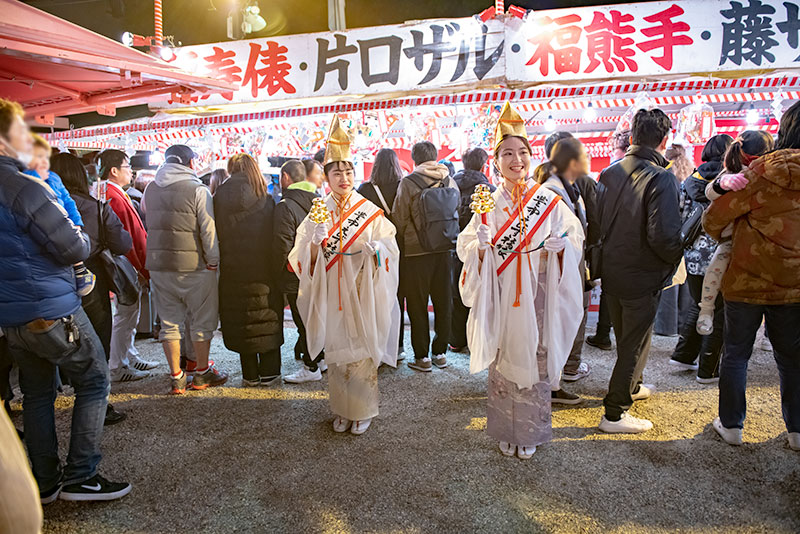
x=698 y=254
x=425 y=212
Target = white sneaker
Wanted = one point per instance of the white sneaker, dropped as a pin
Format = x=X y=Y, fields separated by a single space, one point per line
x=126 y=374
x=644 y=393
x=732 y=436
x=250 y=383
x=507 y=448
x=705 y=324
x=766 y=345
x=525 y=453
x=712 y=380
x=582 y=372
x=322 y=366
x=794 y=441
x=683 y=366
x=359 y=427
x=142 y=365
x=401 y=355
x=303 y=375
x=340 y=424
x=627 y=424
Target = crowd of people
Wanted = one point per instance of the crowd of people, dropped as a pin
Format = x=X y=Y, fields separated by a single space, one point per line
x=508 y=258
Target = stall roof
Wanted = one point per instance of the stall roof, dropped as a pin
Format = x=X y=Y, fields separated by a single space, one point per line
x=53 y=67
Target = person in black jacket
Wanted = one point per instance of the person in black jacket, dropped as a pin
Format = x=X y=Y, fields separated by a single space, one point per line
x=298 y=195
x=698 y=255
x=641 y=247
x=250 y=303
x=381 y=189
x=96 y=304
x=474 y=161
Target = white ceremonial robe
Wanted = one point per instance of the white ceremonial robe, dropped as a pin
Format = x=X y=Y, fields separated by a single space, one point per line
x=348 y=302
x=506 y=337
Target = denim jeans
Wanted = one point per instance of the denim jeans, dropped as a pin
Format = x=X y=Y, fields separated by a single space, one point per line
x=741 y=325
x=37 y=354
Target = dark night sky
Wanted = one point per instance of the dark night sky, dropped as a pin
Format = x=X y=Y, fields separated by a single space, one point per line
x=192 y=21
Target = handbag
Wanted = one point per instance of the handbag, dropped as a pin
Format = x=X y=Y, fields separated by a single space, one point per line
x=123 y=279
x=692 y=225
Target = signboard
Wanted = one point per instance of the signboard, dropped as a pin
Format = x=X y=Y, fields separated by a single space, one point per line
x=634 y=41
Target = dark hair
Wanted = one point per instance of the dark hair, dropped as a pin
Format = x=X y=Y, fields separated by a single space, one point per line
x=789 y=130
x=295 y=170
x=451 y=169
x=309 y=165
x=71 y=171
x=563 y=153
x=337 y=166
x=110 y=159
x=551 y=141
x=423 y=151
x=218 y=177
x=386 y=170
x=247 y=165
x=320 y=155
x=497 y=150
x=745 y=148
x=716 y=147
x=650 y=127
x=9 y=110
x=621 y=140
x=474 y=159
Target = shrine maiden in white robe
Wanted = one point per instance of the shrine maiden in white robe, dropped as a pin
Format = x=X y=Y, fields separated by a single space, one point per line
x=348 y=302
x=526 y=308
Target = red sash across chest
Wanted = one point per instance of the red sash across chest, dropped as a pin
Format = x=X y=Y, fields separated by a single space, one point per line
x=337 y=249
x=515 y=216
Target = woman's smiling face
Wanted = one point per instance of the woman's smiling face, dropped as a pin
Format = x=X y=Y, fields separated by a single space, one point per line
x=514 y=159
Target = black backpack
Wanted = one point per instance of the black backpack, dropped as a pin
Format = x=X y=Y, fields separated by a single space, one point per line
x=437 y=206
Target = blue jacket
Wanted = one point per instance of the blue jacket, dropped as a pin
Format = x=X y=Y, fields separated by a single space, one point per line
x=62 y=195
x=39 y=245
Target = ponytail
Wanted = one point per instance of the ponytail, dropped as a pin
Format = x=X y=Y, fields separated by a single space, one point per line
x=746 y=148
x=543 y=172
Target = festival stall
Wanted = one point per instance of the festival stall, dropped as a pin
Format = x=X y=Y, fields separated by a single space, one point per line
x=715 y=66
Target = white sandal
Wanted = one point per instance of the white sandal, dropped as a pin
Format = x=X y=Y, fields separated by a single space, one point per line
x=359 y=427
x=524 y=453
x=340 y=424
x=507 y=448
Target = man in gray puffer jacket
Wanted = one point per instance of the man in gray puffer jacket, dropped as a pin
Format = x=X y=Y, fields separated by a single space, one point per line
x=182 y=257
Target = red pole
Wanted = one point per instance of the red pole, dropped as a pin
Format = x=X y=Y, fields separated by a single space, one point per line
x=159 y=22
x=499 y=7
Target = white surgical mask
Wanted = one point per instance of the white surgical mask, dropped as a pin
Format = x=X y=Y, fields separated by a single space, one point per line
x=25 y=157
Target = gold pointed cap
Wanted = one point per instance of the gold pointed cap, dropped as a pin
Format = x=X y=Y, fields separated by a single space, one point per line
x=509 y=124
x=338 y=147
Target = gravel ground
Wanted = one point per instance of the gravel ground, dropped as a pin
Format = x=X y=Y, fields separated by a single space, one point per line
x=266 y=460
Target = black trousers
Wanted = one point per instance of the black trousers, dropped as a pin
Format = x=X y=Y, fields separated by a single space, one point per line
x=301 y=347
x=691 y=344
x=458 y=326
x=6 y=363
x=603 y=318
x=97 y=306
x=425 y=277
x=262 y=364
x=633 y=324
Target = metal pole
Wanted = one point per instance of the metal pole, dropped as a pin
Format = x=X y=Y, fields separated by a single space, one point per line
x=336 y=21
x=159 y=22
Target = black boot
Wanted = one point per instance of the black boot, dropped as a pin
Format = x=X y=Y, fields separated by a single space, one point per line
x=113 y=416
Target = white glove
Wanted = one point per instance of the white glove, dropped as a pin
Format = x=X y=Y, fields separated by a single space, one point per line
x=555 y=244
x=371 y=248
x=484 y=237
x=320 y=233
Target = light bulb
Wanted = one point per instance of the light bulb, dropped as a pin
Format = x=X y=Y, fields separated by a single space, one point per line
x=550 y=124
x=590 y=114
x=127 y=39
x=752 y=116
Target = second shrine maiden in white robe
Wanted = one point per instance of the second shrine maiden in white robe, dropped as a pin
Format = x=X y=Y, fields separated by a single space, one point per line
x=348 y=301
x=526 y=305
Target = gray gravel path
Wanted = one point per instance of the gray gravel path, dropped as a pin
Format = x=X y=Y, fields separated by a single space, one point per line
x=266 y=460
